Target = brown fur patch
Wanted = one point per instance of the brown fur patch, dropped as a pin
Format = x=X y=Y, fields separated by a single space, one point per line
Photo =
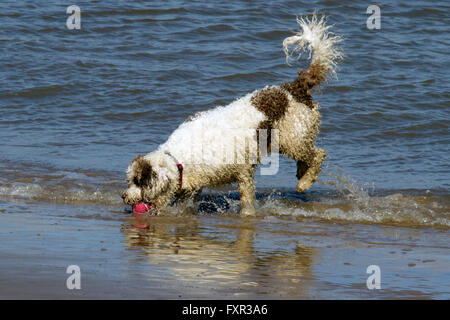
x=305 y=81
x=267 y=125
x=273 y=102
x=142 y=171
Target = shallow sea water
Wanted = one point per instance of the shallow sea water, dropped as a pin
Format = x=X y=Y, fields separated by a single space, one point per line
x=77 y=105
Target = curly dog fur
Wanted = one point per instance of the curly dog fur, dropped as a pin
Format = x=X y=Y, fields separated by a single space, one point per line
x=218 y=146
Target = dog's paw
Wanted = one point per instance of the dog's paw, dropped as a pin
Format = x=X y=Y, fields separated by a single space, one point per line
x=248 y=211
x=304 y=185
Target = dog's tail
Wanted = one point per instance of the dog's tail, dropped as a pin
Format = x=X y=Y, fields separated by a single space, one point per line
x=322 y=46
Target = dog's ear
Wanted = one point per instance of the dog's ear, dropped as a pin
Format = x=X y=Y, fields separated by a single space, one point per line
x=142 y=171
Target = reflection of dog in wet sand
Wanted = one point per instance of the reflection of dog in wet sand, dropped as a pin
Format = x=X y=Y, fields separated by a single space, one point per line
x=287 y=110
x=229 y=258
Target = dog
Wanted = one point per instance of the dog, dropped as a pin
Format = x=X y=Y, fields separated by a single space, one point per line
x=288 y=109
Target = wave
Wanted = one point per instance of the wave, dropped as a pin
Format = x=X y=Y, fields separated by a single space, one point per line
x=341 y=201
x=28 y=182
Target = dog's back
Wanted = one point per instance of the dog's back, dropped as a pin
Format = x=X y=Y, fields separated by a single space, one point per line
x=207 y=137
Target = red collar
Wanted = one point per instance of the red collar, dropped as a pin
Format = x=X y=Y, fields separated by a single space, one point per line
x=180 y=168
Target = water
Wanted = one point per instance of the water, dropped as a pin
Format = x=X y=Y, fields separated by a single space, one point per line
x=77 y=105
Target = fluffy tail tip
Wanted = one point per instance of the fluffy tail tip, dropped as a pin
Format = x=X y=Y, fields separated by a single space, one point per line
x=315 y=38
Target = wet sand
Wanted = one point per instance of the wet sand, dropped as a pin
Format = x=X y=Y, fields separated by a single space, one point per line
x=207 y=256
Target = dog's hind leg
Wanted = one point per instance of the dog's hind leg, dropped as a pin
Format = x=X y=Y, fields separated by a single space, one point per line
x=308 y=172
x=246 y=186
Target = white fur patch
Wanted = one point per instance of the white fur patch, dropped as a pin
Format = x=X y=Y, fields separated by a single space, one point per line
x=203 y=139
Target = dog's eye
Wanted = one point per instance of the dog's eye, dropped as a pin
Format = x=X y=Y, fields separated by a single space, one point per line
x=135 y=181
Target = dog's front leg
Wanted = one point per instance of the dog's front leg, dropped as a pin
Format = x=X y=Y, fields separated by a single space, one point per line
x=162 y=202
x=246 y=185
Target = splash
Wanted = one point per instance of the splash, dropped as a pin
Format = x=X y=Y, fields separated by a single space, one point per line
x=352 y=202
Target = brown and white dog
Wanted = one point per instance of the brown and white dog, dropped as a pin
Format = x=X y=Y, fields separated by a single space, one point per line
x=189 y=160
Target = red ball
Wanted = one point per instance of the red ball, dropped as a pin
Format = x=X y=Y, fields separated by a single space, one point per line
x=143 y=207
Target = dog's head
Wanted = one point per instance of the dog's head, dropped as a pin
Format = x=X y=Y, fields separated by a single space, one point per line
x=151 y=179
